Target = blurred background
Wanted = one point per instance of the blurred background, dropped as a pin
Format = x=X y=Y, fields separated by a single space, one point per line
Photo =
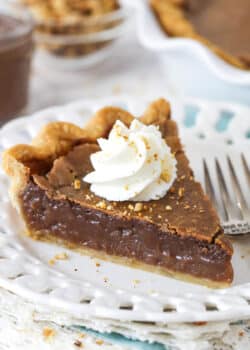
x=56 y=51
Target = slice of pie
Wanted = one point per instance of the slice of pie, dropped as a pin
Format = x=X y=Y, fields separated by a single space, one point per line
x=178 y=235
x=222 y=25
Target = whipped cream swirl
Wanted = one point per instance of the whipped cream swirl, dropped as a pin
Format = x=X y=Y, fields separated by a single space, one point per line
x=133 y=164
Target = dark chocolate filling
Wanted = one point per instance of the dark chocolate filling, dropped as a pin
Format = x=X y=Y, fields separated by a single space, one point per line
x=224 y=22
x=133 y=238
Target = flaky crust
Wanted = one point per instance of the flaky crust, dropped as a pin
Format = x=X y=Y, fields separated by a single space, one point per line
x=58 y=138
x=172 y=18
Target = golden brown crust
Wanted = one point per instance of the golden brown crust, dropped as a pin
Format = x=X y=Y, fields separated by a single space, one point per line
x=101 y=123
x=157 y=112
x=172 y=18
x=57 y=138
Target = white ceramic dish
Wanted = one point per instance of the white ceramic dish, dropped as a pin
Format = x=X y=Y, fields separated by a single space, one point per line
x=92 y=292
x=191 y=68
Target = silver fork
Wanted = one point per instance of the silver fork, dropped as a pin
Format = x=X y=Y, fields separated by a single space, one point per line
x=234 y=213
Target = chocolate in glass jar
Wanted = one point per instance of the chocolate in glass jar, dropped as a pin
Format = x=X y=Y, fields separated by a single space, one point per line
x=16 y=49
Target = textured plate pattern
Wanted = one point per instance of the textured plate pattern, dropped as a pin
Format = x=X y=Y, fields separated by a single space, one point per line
x=139 y=296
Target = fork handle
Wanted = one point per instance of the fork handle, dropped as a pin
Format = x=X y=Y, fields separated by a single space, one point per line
x=236 y=228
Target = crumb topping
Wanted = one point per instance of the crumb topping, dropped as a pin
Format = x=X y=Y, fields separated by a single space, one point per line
x=101 y=205
x=181 y=192
x=138 y=207
x=77 y=184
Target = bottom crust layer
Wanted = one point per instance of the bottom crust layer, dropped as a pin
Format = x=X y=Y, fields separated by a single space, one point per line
x=129 y=262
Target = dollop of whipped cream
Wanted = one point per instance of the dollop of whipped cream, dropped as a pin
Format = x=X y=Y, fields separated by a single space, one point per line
x=133 y=164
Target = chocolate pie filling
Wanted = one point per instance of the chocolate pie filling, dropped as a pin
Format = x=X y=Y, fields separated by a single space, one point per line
x=224 y=22
x=53 y=205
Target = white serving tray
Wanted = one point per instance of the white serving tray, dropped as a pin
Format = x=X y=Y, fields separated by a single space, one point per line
x=113 y=293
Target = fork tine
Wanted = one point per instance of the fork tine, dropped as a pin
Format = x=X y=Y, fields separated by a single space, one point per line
x=225 y=198
x=209 y=188
x=240 y=199
x=246 y=168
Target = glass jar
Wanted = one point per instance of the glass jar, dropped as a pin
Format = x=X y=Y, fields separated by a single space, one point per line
x=16 y=47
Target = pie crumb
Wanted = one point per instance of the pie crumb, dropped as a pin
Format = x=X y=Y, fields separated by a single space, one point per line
x=78 y=343
x=101 y=205
x=199 y=323
x=48 y=333
x=165 y=176
x=52 y=262
x=99 y=341
x=130 y=207
x=138 y=207
x=77 y=184
x=168 y=207
x=181 y=192
x=61 y=256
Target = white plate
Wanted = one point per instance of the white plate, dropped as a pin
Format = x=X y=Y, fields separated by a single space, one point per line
x=191 y=68
x=78 y=285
